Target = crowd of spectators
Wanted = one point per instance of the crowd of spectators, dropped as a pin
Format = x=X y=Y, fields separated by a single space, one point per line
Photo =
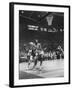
x=52 y=49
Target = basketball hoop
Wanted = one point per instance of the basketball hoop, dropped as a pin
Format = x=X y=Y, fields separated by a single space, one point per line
x=49 y=20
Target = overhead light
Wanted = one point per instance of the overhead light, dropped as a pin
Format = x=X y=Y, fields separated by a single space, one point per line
x=41 y=29
x=22 y=12
x=45 y=29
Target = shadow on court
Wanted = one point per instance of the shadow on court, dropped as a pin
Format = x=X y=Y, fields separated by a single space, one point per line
x=49 y=69
x=24 y=75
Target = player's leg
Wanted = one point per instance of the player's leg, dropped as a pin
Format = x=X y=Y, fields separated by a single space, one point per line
x=35 y=63
x=41 y=61
x=29 y=61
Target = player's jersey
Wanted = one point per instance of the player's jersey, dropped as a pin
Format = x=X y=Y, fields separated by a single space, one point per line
x=42 y=52
x=38 y=46
x=29 y=52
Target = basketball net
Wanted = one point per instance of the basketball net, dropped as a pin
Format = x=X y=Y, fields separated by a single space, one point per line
x=49 y=20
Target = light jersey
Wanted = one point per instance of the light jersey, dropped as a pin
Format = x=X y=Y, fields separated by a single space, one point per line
x=29 y=53
x=41 y=52
x=31 y=58
x=38 y=46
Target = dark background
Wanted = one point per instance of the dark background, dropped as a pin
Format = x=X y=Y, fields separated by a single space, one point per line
x=50 y=39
